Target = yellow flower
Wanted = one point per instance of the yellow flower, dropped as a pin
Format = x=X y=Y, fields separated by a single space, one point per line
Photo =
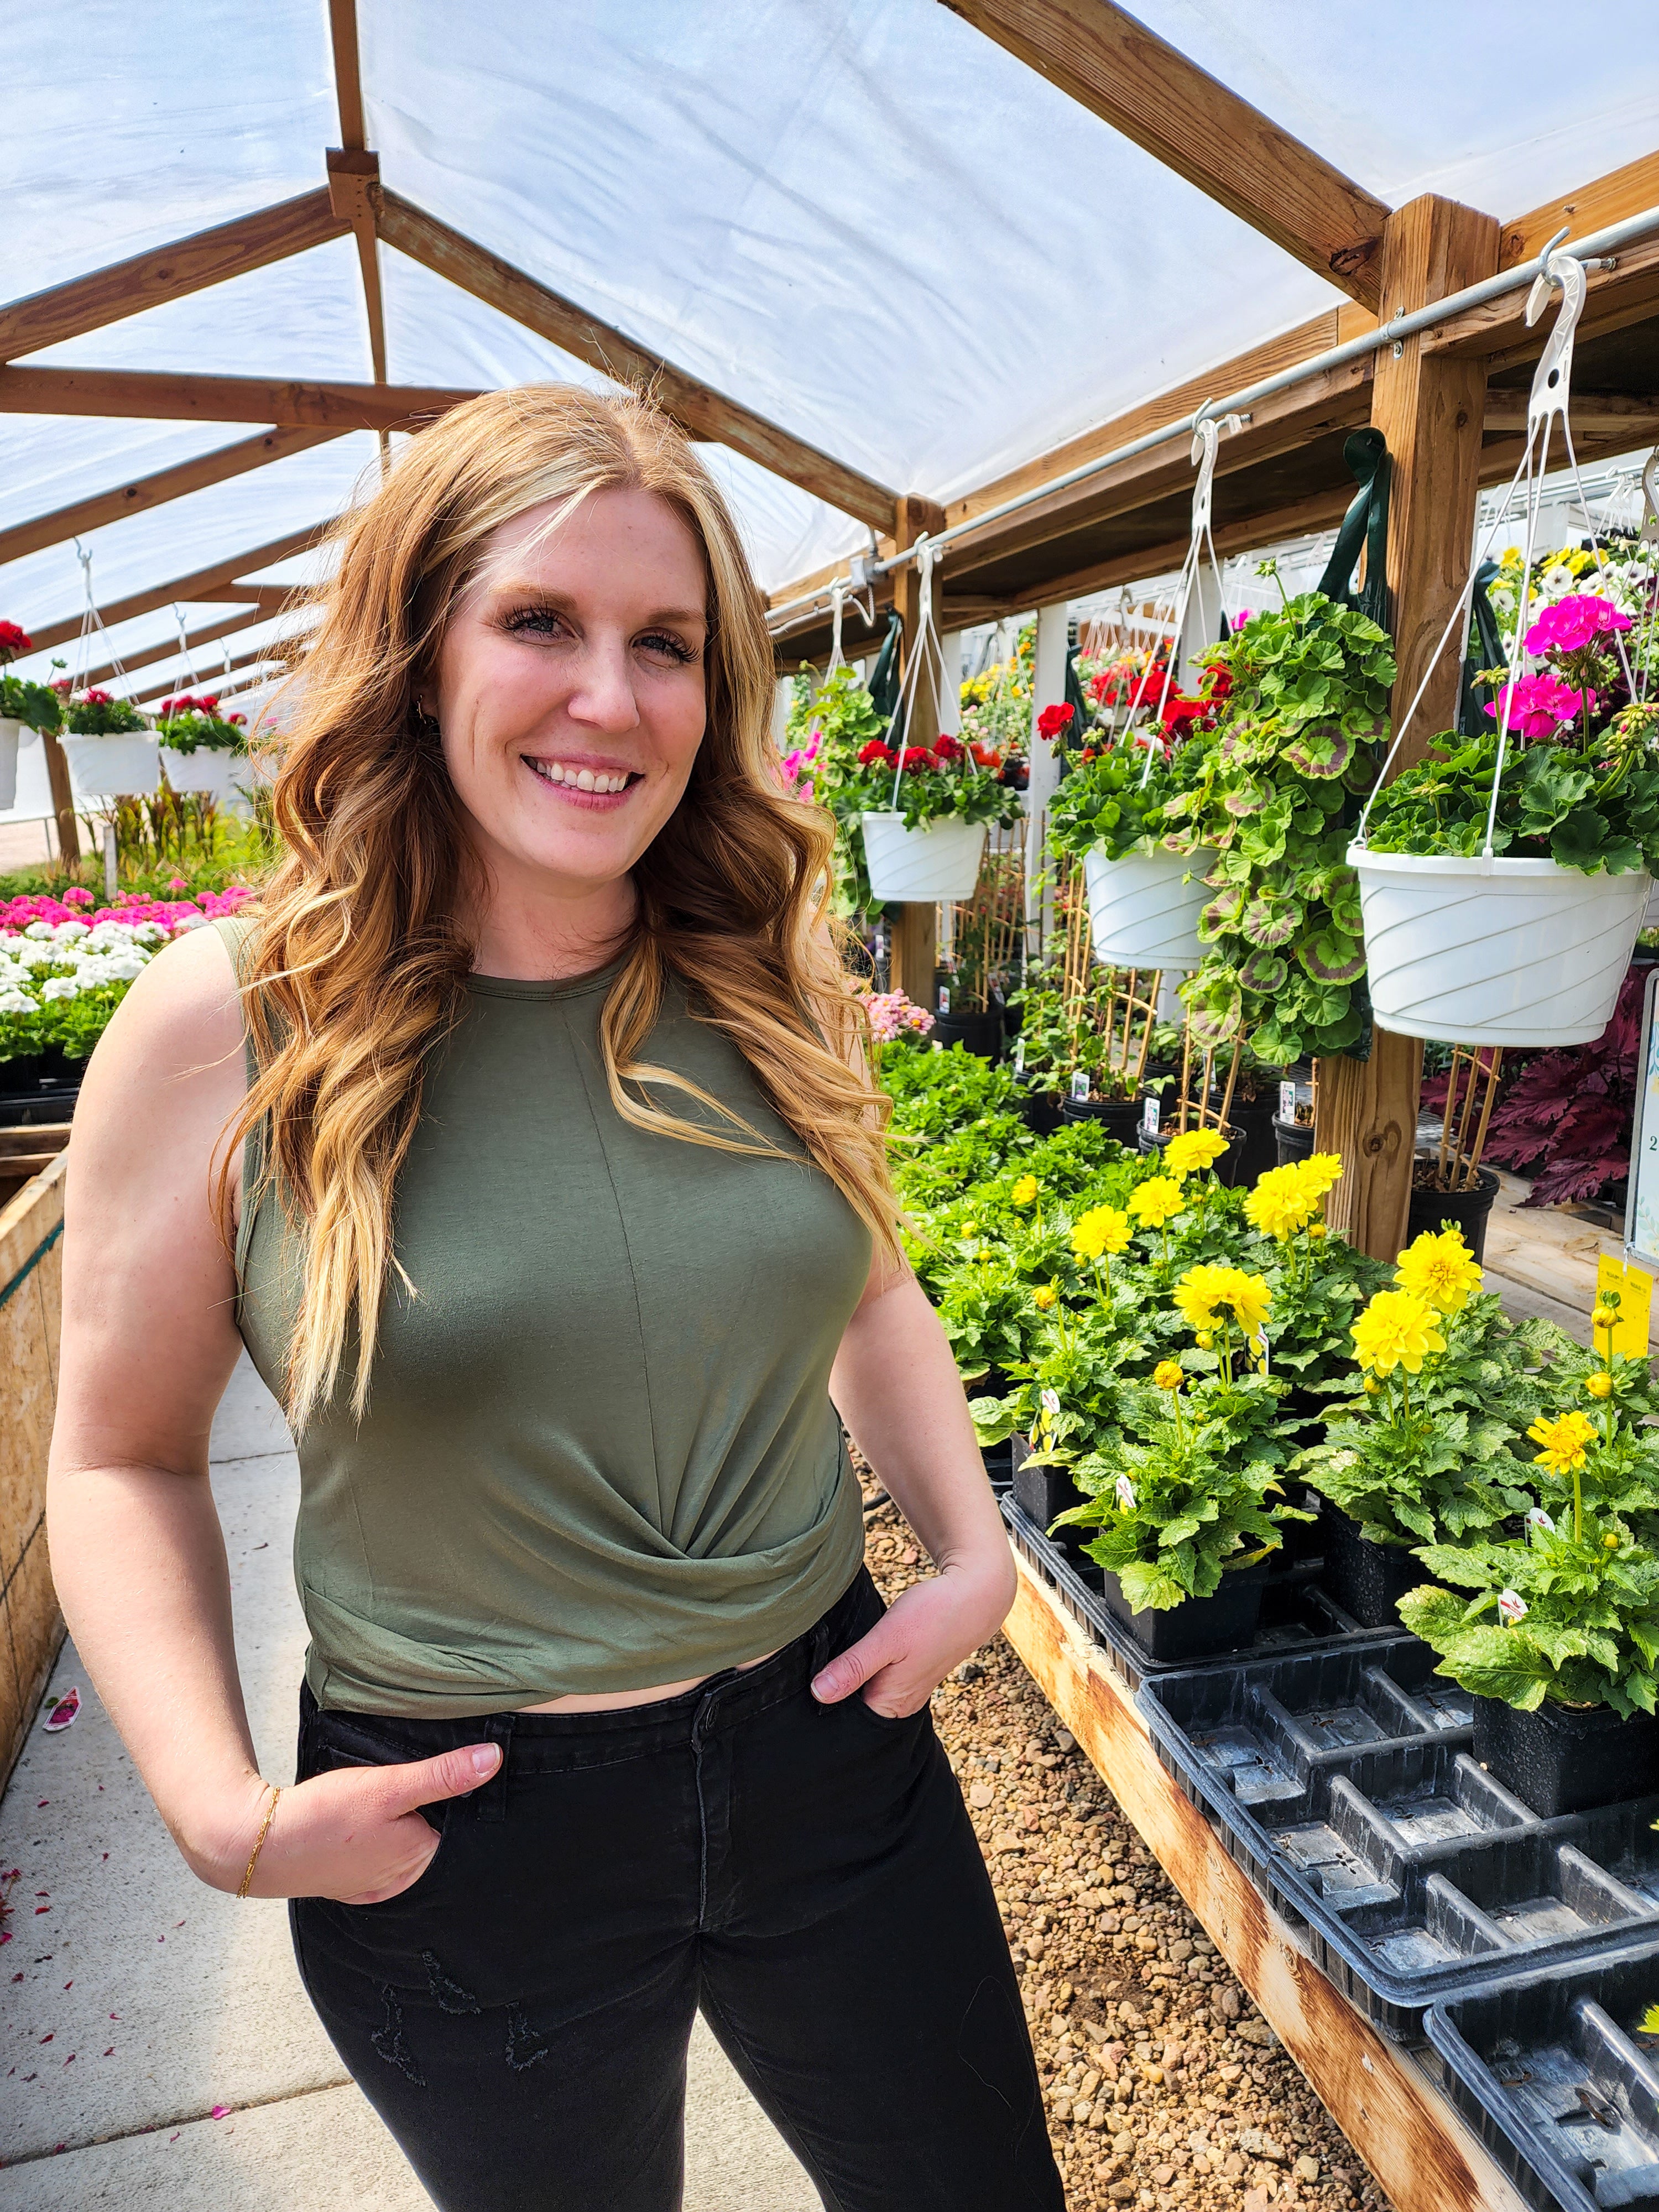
x=1250 y=1300
x=1396 y=1330
x=1156 y=1202
x=1318 y=1229
x=1320 y=1171
x=1103 y=1230
x=1191 y=1150
x=1604 y=1316
x=1611 y=1543
x=1043 y=1297
x=1372 y=1386
x=1204 y=1339
x=1168 y=1376
x=1025 y=1190
x=1600 y=1385
x=1287 y=1199
x=1201 y=1292
x=1440 y=1268
x=1564 y=1443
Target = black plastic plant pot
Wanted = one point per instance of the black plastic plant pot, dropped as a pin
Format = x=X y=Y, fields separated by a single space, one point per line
x=1293 y=1140
x=980 y=1033
x=1118 y=1117
x=1201 y=1627
x=1468 y=1209
x=1043 y=1493
x=1567 y=1759
x=1229 y=1169
x=1298 y=1541
x=1367 y=1579
x=1040 y=1111
x=999 y=1465
x=1257 y=1118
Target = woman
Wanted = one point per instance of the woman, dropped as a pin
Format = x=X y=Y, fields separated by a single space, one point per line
x=522 y=1139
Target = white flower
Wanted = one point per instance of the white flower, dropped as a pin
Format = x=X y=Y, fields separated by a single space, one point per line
x=68 y=933
x=60 y=987
x=33 y=953
x=188 y=922
x=125 y=966
x=38 y=930
x=17 y=1002
x=149 y=933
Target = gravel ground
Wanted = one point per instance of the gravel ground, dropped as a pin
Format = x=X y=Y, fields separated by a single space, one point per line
x=1164 y=2086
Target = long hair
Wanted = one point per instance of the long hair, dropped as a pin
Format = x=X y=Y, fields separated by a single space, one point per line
x=356 y=964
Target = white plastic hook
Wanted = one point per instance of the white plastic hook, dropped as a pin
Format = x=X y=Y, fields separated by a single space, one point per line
x=1649 y=534
x=1551 y=383
x=1206 y=443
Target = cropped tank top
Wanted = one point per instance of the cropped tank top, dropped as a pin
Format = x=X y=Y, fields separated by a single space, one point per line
x=599 y=1451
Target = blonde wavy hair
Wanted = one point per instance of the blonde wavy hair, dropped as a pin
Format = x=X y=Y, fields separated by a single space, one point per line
x=355 y=967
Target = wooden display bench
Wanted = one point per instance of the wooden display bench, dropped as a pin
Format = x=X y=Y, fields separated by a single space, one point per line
x=1381 y=2096
x=31 y=1294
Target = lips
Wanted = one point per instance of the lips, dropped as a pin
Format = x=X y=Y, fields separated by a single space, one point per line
x=602 y=782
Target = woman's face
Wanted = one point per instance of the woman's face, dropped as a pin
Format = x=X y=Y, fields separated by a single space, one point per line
x=569 y=690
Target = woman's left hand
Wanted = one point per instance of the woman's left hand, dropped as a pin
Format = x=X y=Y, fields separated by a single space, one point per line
x=928 y=1630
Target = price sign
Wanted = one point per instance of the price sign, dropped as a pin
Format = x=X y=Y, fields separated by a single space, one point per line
x=1287 y=1101
x=1149 y=1117
x=945 y=997
x=1080 y=1083
x=1019 y=1055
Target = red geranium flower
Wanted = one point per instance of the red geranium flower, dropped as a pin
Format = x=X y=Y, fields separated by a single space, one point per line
x=13 y=641
x=918 y=759
x=875 y=751
x=96 y=698
x=947 y=748
x=1054 y=720
x=986 y=756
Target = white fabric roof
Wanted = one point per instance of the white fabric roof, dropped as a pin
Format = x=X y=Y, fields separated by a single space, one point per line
x=859 y=217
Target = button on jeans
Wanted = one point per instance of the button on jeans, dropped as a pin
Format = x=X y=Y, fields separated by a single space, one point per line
x=806 y=1875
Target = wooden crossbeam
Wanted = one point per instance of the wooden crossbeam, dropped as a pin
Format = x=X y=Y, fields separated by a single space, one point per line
x=353 y=182
x=167 y=273
x=182 y=589
x=1195 y=125
x=259 y=598
x=147 y=492
x=169 y=649
x=1596 y=413
x=212 y=682
x=166 y=396
x=702 y=412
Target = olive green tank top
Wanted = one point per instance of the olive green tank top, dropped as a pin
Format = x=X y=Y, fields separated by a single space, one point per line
x=599 y=1452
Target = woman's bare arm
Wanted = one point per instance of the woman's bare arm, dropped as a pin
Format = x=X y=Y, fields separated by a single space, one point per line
x=149 y=1339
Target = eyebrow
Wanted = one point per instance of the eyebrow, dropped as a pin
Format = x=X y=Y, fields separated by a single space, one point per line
x=563 y=603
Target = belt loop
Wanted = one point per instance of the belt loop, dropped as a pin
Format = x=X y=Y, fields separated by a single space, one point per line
x=491 y=1799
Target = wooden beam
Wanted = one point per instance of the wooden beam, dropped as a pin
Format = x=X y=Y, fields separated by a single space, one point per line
x=169 y=398
x=259 y=599
x=1596 y=206
x=211 y=683
x=1429 y=408
x=183 y=589
x=147 y=492
x=1593 y=414
x=1195 y=125
x=1398 y=2120
x=169 y=649
x=353 y=184
x=702 y=412
x=1497 y=333
x=348 y=72
x=167 y=273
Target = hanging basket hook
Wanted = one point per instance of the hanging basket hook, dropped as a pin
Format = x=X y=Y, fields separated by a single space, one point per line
x=1551 y=383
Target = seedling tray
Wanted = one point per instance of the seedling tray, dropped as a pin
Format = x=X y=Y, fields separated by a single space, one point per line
x=1560 y=2087
x=1342 y=1781
x=1295 y=1614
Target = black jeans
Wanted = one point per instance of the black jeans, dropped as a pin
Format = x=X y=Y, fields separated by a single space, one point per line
x=805 y=1874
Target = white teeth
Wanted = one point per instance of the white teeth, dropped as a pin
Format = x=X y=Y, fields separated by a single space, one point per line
x=583 y=779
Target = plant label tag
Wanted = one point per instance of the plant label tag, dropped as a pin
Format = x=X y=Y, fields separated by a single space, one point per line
x=1019 y=1055
x=1537 y=1518
x=1080 y=1083
x=1630 y=1290
x=938 y=1047
x=945 y=997
x=1124 y=1491
x=1511 y=1607
x=1050 y=1403
x=1287 y=1101
x=1149 y=1117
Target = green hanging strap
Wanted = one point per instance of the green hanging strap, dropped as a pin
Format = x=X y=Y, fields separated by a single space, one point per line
x=1365 y=523
x=885 y=676
x=1486 y=650
x=1073 y=694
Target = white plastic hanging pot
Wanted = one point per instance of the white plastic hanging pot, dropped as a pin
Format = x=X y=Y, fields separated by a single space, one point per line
x=939 y=861
x=1495 y=952
x=1144 y=909
x=113 y=767
x=9 y=732
x=207 y=773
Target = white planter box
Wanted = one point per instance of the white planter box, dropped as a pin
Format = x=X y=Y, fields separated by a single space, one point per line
x=1142 y=911
x=1495 y=952
x=211 y=773
x=940 y=861
x=10 y=731
x=112 y=768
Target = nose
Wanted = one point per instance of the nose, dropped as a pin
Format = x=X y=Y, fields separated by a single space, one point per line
x=601 y=697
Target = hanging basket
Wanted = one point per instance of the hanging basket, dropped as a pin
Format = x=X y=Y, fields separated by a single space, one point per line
x=116 y=766
x=940 y=860
x=1495 y=952
x=9 y=732
x=208 y=773
x=1144 y=909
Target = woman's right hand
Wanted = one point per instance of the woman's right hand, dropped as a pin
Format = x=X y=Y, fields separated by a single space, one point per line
x=353 y=1835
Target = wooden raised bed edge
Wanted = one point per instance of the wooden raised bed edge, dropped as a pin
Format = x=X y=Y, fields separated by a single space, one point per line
x=31 y=1295
x=1396 y=2118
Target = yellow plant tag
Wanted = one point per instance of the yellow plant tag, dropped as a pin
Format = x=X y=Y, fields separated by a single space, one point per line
x=1630 y=1290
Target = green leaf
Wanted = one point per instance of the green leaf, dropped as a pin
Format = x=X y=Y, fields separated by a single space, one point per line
x=1332 y=958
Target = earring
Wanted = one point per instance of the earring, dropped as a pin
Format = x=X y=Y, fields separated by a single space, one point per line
x=425 y=725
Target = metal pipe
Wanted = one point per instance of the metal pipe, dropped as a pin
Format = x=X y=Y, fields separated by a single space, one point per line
x=1598 y=244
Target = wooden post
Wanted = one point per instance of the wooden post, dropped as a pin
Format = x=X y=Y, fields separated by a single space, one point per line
x=1431 y=410
x=915 y=948
x=63 y=801
x=1047 y=689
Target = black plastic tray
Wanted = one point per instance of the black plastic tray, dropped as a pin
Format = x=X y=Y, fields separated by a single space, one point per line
x=1295 y=1614
x=1557 y=2085
x=1342 y=1781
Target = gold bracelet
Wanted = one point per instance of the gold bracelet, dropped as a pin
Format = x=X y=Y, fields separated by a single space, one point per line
x=260 y=1842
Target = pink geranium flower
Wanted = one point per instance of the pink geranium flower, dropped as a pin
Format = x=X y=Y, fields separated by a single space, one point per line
x=1540 y=704
x=1574 y=622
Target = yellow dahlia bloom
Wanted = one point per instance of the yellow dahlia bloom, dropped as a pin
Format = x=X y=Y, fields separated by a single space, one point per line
x=1440 y=1268
x=1320 y=1171
x=1396 y=1330
x=1168 y=1376
x=1192 y=1150
x=1565 y=1443
x=1043 y=1297
x=1600 y=1385
x=1156 y=1202
x=1103 y=1230
x=1199 y=1292
x=1025 y=1190
x=1280 y=1204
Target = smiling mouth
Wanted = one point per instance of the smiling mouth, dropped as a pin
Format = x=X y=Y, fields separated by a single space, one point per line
x=588 y=782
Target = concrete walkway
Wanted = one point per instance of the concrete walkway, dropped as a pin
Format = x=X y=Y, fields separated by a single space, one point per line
x=155 y=2046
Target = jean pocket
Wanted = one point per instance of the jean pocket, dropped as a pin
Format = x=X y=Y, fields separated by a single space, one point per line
x=330 y=1752
x=885 y=1721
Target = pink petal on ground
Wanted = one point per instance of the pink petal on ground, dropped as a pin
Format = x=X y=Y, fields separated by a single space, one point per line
x=218 y=2111
x=62 y=1711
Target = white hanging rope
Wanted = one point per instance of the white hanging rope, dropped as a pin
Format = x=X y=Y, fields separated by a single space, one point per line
x=1206 y=442
x=926 y=635
x=92 y=625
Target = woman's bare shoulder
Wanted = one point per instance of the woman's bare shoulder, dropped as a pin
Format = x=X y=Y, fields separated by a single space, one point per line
x=174 y=1047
